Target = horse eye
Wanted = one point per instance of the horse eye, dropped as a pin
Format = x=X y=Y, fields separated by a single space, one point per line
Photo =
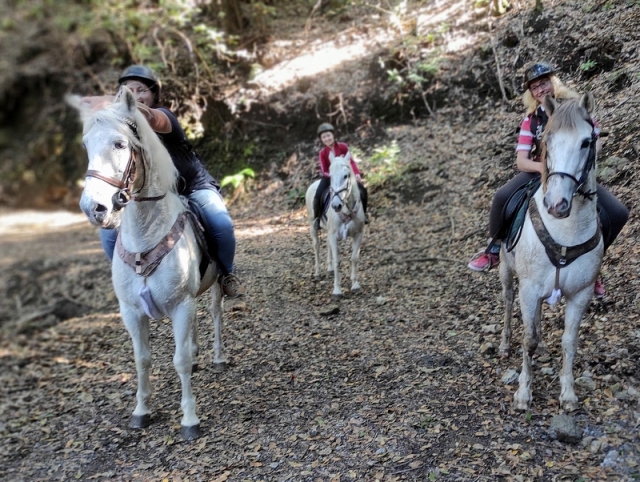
x=120 y=144
x=585 y=143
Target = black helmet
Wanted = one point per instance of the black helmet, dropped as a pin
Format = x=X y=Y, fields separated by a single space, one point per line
x=142 y=74
x=535 y=72
x=325 y=127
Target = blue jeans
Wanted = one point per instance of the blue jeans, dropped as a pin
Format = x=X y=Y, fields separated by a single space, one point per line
x=217 y=223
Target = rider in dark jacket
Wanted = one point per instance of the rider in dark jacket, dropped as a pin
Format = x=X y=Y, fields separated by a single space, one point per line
x=195 y=181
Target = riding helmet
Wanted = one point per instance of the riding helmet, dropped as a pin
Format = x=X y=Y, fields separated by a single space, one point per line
x=535 y=72
x=142 y=74
x=325 y=127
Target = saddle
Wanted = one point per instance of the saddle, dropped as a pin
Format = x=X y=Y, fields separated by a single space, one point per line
x=514 y=213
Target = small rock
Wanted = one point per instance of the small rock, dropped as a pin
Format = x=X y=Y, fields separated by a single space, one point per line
x=594 y=446
x=585 y=382
x=330 y=310
x=495 y=328
x=565 y=429
x=381 y=300
x=611 y=459
x=487 y=349
x=510 y=376
x=546 y=370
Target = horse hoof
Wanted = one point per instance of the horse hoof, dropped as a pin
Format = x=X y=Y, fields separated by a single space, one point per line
x=356 y=291
x=336 y=297
x=520 y=406
x=220 y=367
x=140 y=421
x=569 y=407
x=190 y=433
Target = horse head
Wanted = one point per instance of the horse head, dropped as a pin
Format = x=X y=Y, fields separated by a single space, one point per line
x=342 y=180
x=119 y=144
x=569 y=153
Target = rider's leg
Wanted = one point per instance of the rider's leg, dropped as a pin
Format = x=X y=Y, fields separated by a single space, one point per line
x=490 y=256
x=219 y=227
x=613 y=215
x=317 y=200
x=364 y=198
x=108 y=239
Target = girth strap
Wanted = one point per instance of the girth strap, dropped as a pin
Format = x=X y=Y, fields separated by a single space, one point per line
x=561 y=256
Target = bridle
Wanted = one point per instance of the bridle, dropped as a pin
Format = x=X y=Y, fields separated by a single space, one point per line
x=121 y=198
x=588 y=166
x=343 y=194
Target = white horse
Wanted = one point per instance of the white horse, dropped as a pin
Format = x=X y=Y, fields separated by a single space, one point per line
x=560 y=250
x=344 y=219
x=156 y=267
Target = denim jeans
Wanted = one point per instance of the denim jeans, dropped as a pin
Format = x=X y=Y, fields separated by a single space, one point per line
x=217 y=223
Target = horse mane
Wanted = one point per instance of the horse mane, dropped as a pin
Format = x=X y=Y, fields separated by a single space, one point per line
x=153 y=152
x=565 y=117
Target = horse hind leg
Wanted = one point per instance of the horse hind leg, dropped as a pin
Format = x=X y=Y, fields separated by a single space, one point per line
x=220 y=362
x=508 y=294
x=138 y=328
x=574 y=311
x=183 y=318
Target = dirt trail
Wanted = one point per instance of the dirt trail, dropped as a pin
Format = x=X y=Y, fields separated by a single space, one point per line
x=394 y=387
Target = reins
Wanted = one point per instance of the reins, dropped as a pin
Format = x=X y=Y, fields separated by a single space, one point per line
x=124 y=195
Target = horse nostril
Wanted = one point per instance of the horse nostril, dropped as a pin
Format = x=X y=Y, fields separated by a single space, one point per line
x=100 y=208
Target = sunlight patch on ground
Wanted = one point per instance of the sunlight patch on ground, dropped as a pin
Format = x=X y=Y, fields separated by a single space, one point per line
x=16 y=222
x=441 y=17
x=325 y=57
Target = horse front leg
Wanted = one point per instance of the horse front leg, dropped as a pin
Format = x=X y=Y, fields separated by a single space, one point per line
x=332 y=241
x=315 y=242
x=355 y=255
x=183 y=319
x=508 y=294
x=138 y=327
x=219 y=355
x=531 y=307
x=574 y=311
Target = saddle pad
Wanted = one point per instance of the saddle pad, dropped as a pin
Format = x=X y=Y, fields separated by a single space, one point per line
x=515 y=212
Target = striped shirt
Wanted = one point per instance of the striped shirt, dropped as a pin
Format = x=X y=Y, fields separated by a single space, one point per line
x=527 y=139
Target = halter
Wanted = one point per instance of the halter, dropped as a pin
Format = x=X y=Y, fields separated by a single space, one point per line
x=588 y=166
x=121 y=198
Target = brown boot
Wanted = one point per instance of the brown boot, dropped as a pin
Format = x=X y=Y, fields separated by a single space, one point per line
x=232 y=287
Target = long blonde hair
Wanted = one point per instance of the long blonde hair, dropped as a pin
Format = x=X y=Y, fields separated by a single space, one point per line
x=561 y=91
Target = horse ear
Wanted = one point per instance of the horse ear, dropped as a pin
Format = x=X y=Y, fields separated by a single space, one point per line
x=550 y=105
x=347 y=156
x=73 y=100
x=588 y=102
x=126 y=97
x=331 y=156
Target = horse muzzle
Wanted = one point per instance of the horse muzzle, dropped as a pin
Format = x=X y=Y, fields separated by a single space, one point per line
x=560 y=209
x=98 y=214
